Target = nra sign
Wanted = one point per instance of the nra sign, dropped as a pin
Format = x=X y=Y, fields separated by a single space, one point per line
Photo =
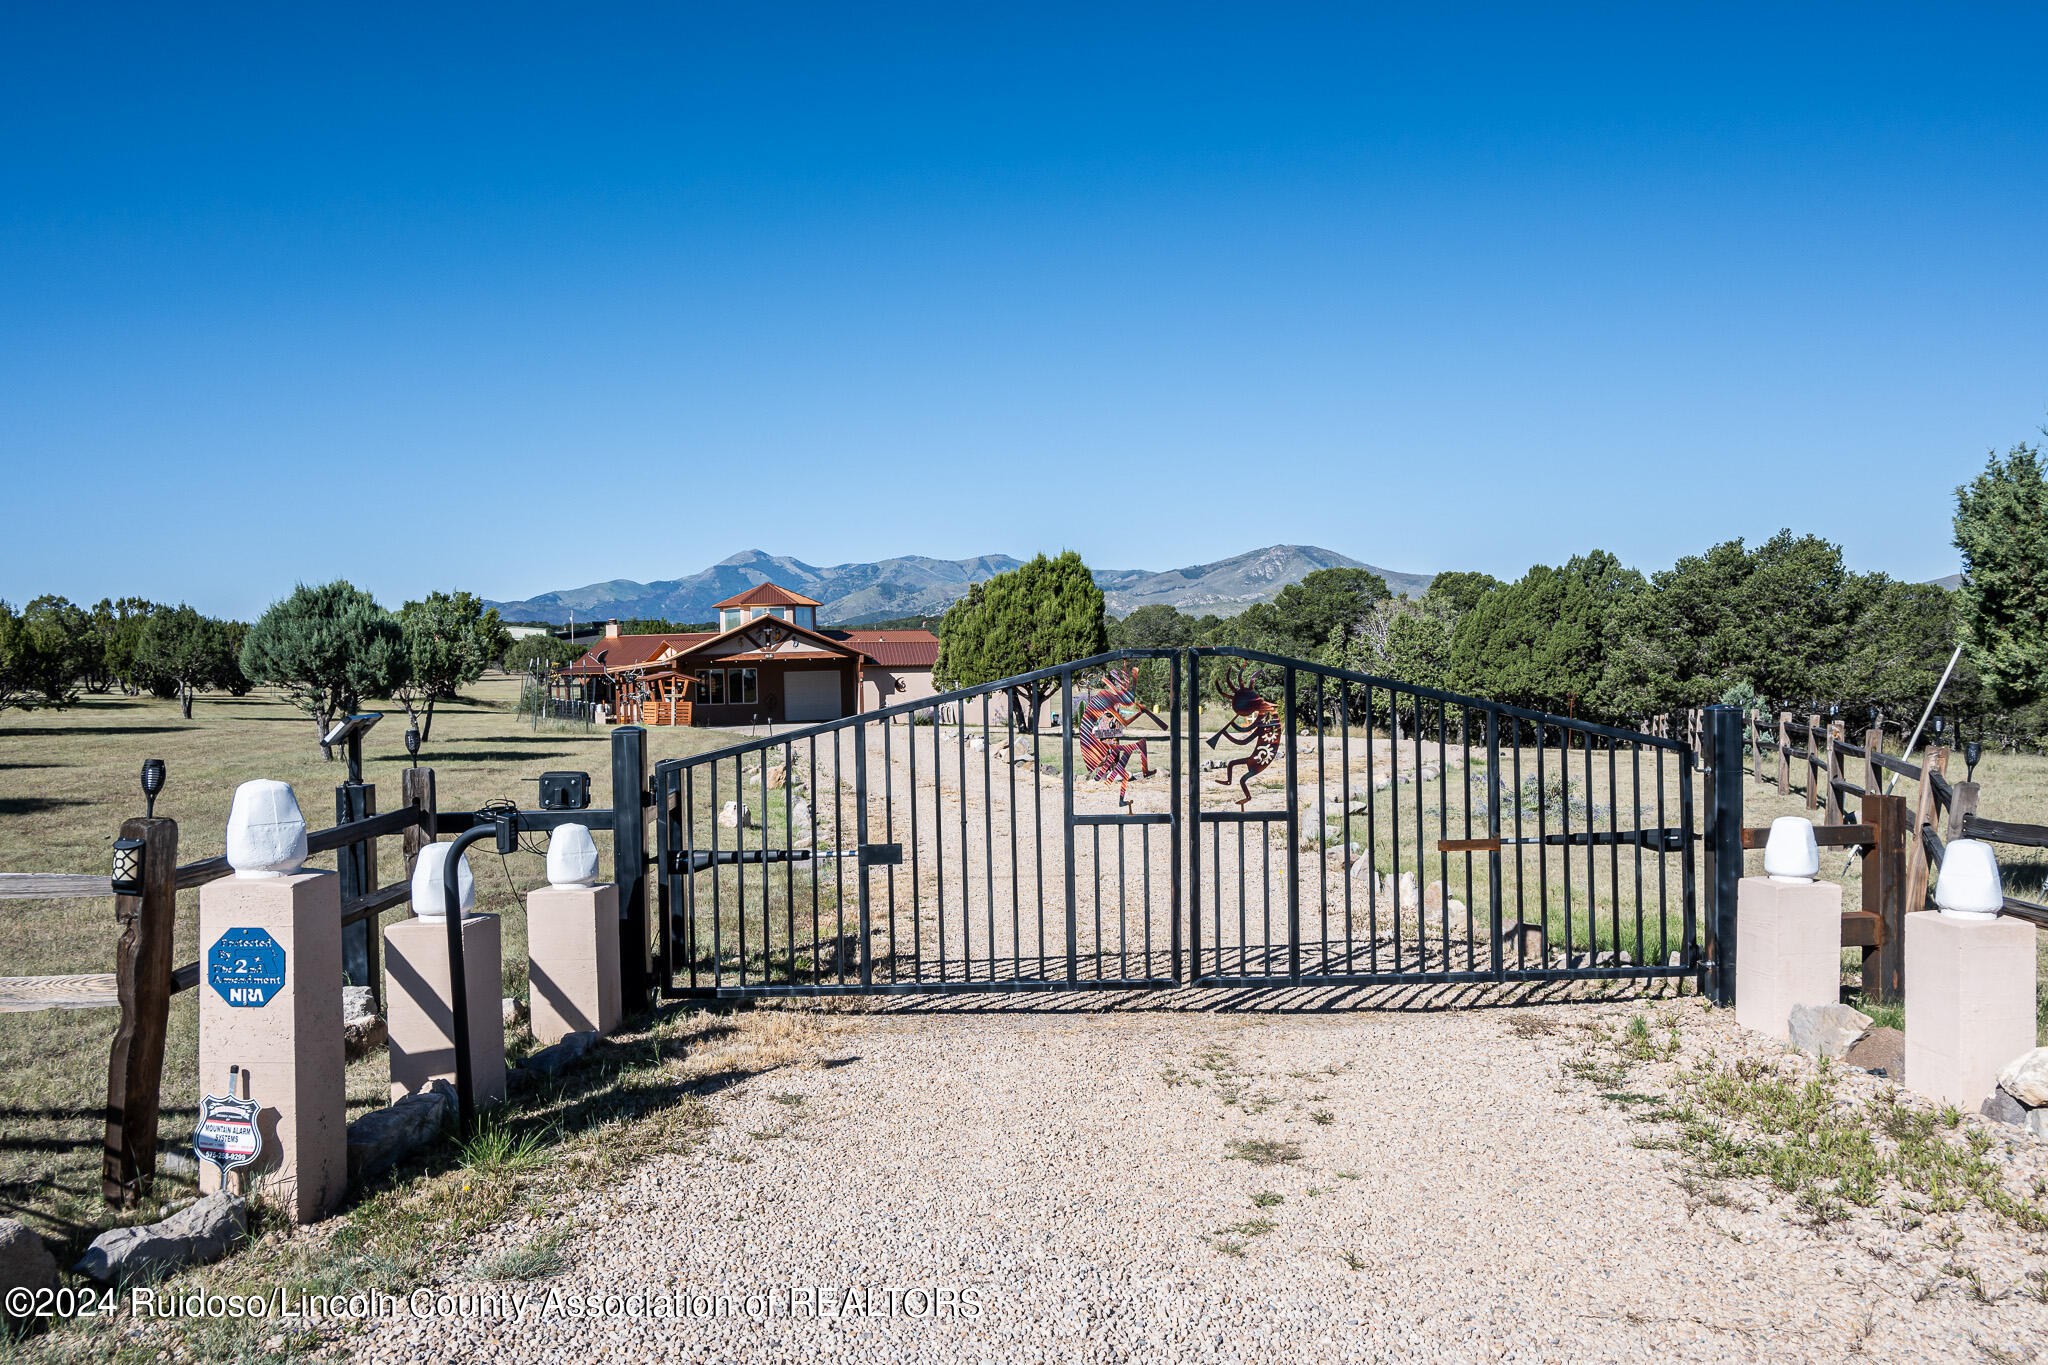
x=246 y=966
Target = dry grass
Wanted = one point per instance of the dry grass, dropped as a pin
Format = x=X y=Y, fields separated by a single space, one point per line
x=68 y=779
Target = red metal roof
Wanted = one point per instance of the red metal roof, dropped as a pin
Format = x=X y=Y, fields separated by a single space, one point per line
x=765 y=595
x=884 y=648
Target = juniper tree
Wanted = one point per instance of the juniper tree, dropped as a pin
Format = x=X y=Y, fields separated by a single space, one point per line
x=447 y=642
x=2002 y=530
x=328 y=647
x=1043 y=613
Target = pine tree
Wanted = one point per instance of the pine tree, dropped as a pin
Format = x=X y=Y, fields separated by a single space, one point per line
x=2002 y=531
x=328 y=648
x=1040 y=614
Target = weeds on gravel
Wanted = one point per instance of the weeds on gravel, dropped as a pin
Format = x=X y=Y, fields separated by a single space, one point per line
x=1352 y=1260
x=635 y=1096
x=1802 y=1137
x=1250 y=1227
x=1266 y=1199
x=1322 y=1118
x=536 y=1260
x=1265 y=1151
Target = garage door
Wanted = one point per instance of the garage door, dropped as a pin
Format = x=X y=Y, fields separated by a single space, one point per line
x=812 y=695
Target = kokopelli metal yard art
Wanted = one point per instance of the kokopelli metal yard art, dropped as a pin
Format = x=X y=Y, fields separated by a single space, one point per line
x=1100 y=727
x=1254 y=721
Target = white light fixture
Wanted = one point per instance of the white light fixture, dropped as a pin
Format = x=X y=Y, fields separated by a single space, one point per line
x=572 y=856
x=1970 y=887
x=1790 y=854
x=266 y=833
x=430 y=883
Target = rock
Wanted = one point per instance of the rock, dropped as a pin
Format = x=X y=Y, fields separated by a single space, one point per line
x=2003 y=1108
x=800 y=821
x=380 y=1138
x=1881 y=1051
x=2025 y=1078
x=778 y=777
x=976 y=743
x=512 y=1009
x=362 y=1029
x=430 y=883
x=2037 y=1122
x=200 y=1232
x=25 y=1263
x=1827 y=1030
x=550 y=1061
x=266 y=834
x=732 y=815
x=177 y=1161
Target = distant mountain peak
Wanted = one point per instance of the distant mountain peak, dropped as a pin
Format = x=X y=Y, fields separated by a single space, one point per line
x=911 y=585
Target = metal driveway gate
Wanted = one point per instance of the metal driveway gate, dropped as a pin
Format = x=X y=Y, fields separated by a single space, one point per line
x=1028 y=834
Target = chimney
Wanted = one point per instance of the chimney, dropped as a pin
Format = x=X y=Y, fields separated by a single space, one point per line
x=611 y=630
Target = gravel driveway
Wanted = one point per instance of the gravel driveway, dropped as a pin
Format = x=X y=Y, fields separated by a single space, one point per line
x=1452 y=1194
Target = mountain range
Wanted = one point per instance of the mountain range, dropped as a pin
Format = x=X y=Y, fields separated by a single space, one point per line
x=854 y=594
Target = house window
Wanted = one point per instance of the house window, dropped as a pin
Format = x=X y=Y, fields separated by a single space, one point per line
x=729 y=618
x=711 y=686
x=744 y=689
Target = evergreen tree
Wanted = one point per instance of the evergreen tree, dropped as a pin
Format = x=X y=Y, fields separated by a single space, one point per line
x=37 y=665
x=1043 y=613
x=184 y=649
x=448 y=640
x=529 y=652
x=1458 y=591
x=328 y=648
x=1542 y=641
x=2002 y=530
x=1308 y=612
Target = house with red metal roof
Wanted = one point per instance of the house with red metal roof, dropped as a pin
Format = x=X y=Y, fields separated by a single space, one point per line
x=768 y=660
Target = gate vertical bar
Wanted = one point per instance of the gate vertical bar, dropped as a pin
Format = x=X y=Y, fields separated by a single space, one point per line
x=1067 y=822
x=1194 y=816
x=1293 y=842
x=860 y=835
x=1173 y=663
x=629 y=862
x=1723 y=846
x=1493 y=887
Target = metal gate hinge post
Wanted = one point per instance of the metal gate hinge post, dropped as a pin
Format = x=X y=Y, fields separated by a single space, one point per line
x=881 y=855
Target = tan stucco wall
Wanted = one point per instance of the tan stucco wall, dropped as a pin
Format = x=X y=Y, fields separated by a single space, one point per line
x=878 y=686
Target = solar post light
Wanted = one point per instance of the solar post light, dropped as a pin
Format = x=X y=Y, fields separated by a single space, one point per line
x=1972 y=751
x=153 y=775
x=412 y=743
x=128 y=867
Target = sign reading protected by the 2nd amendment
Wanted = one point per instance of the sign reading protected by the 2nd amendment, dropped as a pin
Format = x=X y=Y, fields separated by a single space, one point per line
x=246 y=966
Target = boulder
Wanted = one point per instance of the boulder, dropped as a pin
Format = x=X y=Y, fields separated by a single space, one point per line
x=512 y=1009
x=2025 y=1078
x=732 y=815
x=362 y=1028
x=378 y=1139
x=200 y=1232
x=1828 y=1030
x=25 y=1263
x=2037 y=1122
x=778 y=777
x=1881 y=1051
x=2003 y=1108
x=550 y=1061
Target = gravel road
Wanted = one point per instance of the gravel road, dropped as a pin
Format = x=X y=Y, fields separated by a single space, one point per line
x=1455 y=1195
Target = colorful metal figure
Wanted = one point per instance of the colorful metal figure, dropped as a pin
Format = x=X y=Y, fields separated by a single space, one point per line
x=1254 y=721
x=1104 y=714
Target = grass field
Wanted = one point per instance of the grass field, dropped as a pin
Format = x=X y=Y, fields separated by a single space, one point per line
x=68 y=779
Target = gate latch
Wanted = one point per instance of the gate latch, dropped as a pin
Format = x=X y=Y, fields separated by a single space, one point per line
x=881 y=855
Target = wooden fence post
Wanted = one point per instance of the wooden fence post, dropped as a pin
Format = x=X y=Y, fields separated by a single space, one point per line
x=142 y=973
x=1925 y=810
x=416 y=788
x=1837 y=732
x=1961 y=808
x=1885 y=894
x=1784 y=750
x=1873 y=771
x=1813 y=734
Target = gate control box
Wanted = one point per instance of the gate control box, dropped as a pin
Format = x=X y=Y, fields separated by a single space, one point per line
x=565 y=791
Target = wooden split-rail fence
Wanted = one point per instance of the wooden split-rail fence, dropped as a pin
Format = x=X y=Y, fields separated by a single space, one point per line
x=1901 y=842
x=144 y=979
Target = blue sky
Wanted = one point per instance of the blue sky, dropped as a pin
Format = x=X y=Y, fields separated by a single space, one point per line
x=516 y=299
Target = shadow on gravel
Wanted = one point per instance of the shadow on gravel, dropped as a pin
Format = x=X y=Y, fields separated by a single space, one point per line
x=1420 y=997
